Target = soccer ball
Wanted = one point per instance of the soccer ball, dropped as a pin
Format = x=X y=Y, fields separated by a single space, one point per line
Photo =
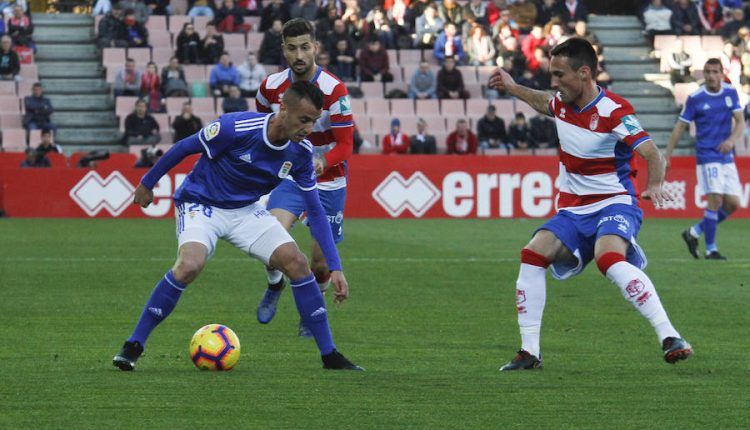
x=215 y=347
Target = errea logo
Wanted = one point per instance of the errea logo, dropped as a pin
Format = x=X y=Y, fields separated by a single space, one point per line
x=92 y=193
x=396 y=194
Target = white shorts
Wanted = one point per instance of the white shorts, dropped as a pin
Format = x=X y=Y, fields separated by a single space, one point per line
x=719 y=178
x=252 y=229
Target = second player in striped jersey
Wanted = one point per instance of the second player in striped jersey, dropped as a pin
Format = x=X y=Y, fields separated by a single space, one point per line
x=332 y=136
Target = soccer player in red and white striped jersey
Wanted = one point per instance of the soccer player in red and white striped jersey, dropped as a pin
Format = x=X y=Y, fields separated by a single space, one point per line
x=598 y=214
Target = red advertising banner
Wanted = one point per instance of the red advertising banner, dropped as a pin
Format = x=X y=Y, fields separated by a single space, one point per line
x=379 y=187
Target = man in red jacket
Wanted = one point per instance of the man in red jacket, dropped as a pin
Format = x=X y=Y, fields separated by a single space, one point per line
x=462 y=141
x=373 y=63
x=395 y=142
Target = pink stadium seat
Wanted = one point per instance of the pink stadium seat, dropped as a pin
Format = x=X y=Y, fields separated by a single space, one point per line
x=29 y=72
x=524 y=108
x=237 y=55
x=141 y=56
x=403 y=86
x=692 y=44
x=392 y=57
x=440 y=139
x=358 y=107
x=156 y=23
x=163 y=120
x=113 y=56
x=408 y=57
x=711 y=43
x=452 y=107
x=35 y=138
x=254 y=22
x=253 y=41
x=546 y=152
x=428 y=108
x=381 y=125
x=378 y=107
x=484 y=73
x=474 y=89
x=200 y=22
x=251 y=106
x=477 y=107
x=469 y=74
x=396 y=71
x=9 y=104
x=174 y=105
x=234 y=41
x=161 y=56
x=402 y=108
x=664 y=42
x=124 y=105
x=204 y=108
x=682 y=91
x=14 y=139
x=11 y=120
x=195 y=72
x=179 y=7
x=435 y=124
x=451 y=120
x=512 y=152
x=176 y=22
x=7 y=88
x=370 y=137
x=372 y=89
x=408 y=126
x=492 y=152
x=160 y=39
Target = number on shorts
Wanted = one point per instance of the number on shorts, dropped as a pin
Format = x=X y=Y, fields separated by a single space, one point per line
x=713 y=172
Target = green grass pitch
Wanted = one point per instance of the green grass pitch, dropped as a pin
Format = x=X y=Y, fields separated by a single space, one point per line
x=431 y=316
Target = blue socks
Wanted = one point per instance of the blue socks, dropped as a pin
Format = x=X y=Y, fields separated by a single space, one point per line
x=312 y=309
x=698 y=228
x=710 y=220
x=159 y=306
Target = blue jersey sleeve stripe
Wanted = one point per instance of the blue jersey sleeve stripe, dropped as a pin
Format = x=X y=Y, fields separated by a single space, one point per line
x=639 y=141
x=208 y=151
x=342 y=124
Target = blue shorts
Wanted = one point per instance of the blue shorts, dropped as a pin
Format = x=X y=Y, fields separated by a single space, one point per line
x=579 y=234
x=288 y=196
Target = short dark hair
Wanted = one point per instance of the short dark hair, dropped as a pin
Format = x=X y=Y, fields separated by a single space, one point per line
x=37 y=84
x=713 y=61
x=46 y=131
x=306 y=90
x=579 y=53
x=298 y=27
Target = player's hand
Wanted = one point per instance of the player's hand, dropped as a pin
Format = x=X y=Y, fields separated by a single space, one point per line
x=501 y=80
x=726 y=147
x=319 y=163
x=656 y=194
x=143 y=196
x=340 y=287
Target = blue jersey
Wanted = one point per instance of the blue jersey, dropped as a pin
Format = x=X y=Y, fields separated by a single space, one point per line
x=712 y=113
x=239 y=164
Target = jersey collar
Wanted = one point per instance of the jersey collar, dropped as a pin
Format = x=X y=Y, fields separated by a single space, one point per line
x=592 y=102
x=318 y=71
x=265 y=135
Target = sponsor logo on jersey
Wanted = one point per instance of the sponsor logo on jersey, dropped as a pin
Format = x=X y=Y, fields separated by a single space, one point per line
x=632 y=124
x=285 y=169
x=346 y=105
x=211 y=130
x=728 y=101
x=594 y=122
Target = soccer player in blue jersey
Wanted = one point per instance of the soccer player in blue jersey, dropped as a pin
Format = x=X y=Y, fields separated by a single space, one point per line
x=245 y=155
x=712 y=107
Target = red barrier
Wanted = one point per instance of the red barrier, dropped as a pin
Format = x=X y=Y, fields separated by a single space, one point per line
x=379 y=187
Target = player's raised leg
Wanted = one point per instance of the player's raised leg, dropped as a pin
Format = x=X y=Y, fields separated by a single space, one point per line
x=636 y=287
x=190 y=261
x=267 y=307
x=531 y=294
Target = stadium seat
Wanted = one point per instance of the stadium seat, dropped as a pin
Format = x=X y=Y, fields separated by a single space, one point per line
x=204 y=108
x=195 y=72
x=408 y=57
x=402 y=108
x=484 y=73
x=396 y=71
x=370 y=137
x=428 y=108
x=494 y=151
x=161 y=56
x=381 y=125
x=475 y=90
x=253 y=41
x=378 y=107
x=682 y=91
x=440 y=139
x=174 y=105
x=251 y=106
x=124 y=105
x=160 y=39
x=29 y=72
x=141 y=56
x=546 y=152
x=9 y=104
x=476 y=107
x=234 y=41
x=176 y=22
x=469 y=74
x=372 y=89
x=199 y=89
x=408 y=127
x=524 y=108
x=179 y=7
x=392 y=57
x=237 y=55
x=712 y=44
x=14 y=139
x=664 y=42
x=200 y=22
x=435 y=124
x=452 y=107
x=390 y=86
x=11 y=120
x=35 y=138
x=113 y=56
x=254 y=22
x=358 y=108
x=156 y=23
x=8 y=88
x=451 y=120
x=513 y=151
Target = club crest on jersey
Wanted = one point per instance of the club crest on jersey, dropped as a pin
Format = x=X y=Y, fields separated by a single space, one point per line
x=562 y=113
x=632 y=124
x=346 y=105
x=594 y=122
x=285 y=169
x=211 y=130
x=728 y=101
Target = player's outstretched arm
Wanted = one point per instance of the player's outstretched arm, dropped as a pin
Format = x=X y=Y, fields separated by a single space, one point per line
x=190 y=145
x=656 y=167
x=539 y=100
x=677 y=131
x=321 y=231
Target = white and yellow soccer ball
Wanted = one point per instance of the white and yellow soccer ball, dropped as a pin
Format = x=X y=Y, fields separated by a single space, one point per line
x=215 y=347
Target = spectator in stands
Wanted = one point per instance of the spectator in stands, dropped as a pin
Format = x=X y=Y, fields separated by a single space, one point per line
x=151 y=88
x=33 y=159
x=211 y=46
x=223 y=75
x=582 y=31
x=234 y=102
x=730 y=28
x=427 y=27
x=711 y=16
x=506 y=20
x=450 y=81
x=270 y=51
x=10 y=65
x=533 y=40
x=415 y=9
x=323 y=60
x=306 y=9
x=448 y=44
x=462 y=141
x=38 y=110
x=251 y=75
x=46 y=145
x=555 y=35
x=491 y=130
x=519 y=133
x=20 y=28
x=324 y=24
x=379 y=26
x=140 y=127
x=657 y=19
x=229 y=19
x=275 y=10
x=512 y=58
x=102 y=7
x=344 y=61
x=140 y=11
x=524 y=13
x=602 y=77
x=135 y=32
x=395 y=142
x=450 y=11
x=112 y=30
x=475 y=12
x=128 y=80
x=338 y=32
x=543 y=131
x=202 y=8
x=397 y=15
x=374 y=64
x=493 y=10
x=679 y=63
x=186 y=124
x=685 y=20
x=423 y=83
x=173 y=83
x=149 y=157
x=548 y=10
x=572 y=11
x=422 y=142
x=479 y=47
x=159 y=7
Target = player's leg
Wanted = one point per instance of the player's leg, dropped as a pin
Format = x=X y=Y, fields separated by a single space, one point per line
x=710 y=222
x=712 y=180
x=531 y=290
x=620 y=259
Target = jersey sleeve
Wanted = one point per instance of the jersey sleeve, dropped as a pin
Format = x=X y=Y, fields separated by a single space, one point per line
x=261 y=98
x=303 y=171
x=217 y=136
x=342 y=126
x=735 y=100
x=688 y=110
x=627 y=128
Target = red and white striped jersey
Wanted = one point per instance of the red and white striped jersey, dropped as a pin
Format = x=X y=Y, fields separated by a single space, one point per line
x=333 y=133
x=597 y=168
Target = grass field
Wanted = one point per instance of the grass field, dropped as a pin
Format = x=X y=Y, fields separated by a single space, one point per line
x=431 y=317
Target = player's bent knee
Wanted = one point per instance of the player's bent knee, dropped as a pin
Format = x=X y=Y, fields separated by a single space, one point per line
x=534 y=258
x=187 y=269
x=607 y=260
x=290 y=261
